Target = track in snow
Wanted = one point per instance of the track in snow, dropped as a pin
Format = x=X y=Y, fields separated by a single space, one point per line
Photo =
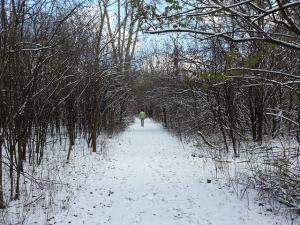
x=150 y=178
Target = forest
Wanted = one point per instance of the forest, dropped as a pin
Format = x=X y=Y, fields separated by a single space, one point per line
x=221 y=73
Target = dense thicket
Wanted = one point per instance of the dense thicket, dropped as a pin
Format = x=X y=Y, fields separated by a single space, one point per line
x=64 y=70
x=231 y=77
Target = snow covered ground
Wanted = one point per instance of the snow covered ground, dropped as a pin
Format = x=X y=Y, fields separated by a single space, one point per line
x=148 y=177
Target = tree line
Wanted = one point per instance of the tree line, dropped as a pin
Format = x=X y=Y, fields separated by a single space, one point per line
x=228 y=74
x=64 y=71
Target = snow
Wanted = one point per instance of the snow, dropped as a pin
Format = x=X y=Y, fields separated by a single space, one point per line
x=147 y=177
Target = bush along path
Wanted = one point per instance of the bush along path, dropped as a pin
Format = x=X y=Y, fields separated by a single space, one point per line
x=149 y=177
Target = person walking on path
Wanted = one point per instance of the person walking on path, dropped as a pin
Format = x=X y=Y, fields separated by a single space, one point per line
x=142 y=116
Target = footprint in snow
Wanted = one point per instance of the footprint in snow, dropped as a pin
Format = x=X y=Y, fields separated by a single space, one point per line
x=178 y=216
x=129 y=199
x=151 y=197
x=164 y=200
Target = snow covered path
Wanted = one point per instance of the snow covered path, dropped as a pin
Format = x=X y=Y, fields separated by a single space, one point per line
x=150 y=178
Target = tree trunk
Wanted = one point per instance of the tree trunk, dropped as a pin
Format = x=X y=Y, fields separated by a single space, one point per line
x=229 y=96
x=165 y=117
x=2 y=204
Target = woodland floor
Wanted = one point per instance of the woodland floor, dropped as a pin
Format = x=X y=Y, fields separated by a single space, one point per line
x=148 y=177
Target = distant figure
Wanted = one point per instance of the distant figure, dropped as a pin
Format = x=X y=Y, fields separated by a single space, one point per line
x=142 y=116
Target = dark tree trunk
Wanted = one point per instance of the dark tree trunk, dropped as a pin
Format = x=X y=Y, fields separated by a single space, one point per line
x=165 y=116
x=2 y=203
x=231 y=112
